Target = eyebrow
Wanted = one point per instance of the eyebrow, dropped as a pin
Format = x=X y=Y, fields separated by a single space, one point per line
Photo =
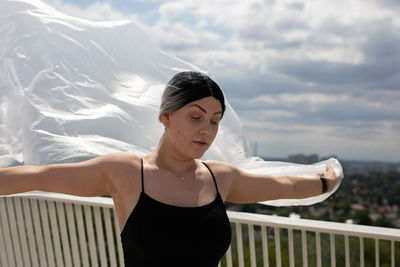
x=205 y=111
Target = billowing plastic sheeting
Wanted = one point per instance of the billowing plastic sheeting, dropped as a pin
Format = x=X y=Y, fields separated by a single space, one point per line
x=276 y=168
x=73 y=89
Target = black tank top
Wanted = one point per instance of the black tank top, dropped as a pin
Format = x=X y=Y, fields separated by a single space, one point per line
x=157 y=234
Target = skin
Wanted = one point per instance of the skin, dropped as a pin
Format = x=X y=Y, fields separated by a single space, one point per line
x=189 y=132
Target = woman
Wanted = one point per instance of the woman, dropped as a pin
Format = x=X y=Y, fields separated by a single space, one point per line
x=170 y=205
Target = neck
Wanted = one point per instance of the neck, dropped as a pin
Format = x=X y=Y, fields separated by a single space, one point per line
x=167 y=158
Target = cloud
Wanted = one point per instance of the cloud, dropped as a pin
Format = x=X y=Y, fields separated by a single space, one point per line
x=324 y=122
x=313 y=108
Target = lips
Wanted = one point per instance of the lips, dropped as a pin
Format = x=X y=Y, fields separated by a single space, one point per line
x=200 y=143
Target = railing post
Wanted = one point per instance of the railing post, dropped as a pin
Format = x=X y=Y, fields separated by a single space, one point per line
x=39 y=233
x=3 y=256
x=264 y=238
x=6 y=232
x=239 y=240
x=318 y=248
x=14 y=232
x=304 y=247
x=82 y=235
x=347 y=250
x=64 y=234
x=291 y=249
x=333 y=250
x=119 y=244
x=377 y=252
x=361 y=251
x=47 y=237
x=229 y=257
x=392 y=253
x=21 y=231
x=72 y=234
x=252 y=246
x=56 y=233
x=277 y=247
x=100 y=237
x=110 y=237
x=91 y=240
x=30 y=232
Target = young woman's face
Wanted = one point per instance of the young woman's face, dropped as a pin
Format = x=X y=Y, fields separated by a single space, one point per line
x=192 y=128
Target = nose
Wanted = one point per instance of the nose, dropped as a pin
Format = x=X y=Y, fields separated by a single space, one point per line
x=205 y=129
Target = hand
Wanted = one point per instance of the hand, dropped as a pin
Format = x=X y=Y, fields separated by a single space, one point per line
x=331 y=178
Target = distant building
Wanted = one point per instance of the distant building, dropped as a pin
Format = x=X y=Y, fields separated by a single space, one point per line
x=303 y=159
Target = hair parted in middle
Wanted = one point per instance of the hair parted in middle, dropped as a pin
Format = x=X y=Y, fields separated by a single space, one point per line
x=186 y=87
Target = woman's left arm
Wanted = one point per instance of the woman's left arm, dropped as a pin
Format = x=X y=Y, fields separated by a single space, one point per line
x=249 y=188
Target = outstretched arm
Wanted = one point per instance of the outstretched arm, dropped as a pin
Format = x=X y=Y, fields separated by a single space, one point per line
x=88 y=178
x=250 y=188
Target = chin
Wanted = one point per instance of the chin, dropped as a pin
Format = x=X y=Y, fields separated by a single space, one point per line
x=196 y=154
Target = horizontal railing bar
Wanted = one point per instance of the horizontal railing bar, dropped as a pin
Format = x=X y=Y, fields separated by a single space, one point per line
x=316 y=225
x=92 y=201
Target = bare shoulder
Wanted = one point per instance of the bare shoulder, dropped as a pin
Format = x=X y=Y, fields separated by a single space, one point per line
x=121 y=159
x=222 y=169
x=121 y=163
x=225 y=174
x=122 y=168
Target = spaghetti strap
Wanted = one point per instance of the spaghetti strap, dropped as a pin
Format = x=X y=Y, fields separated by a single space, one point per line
x=212 y=174
x=141 y=171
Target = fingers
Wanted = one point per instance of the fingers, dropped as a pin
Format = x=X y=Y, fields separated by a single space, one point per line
x=322 y=174
x=328 y=170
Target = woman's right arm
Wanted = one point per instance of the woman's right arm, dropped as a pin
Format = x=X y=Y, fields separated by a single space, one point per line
x=94 y=177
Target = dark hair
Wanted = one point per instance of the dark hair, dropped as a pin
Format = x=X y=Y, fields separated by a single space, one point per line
x=186 y=87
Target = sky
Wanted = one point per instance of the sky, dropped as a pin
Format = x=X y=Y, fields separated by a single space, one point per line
x=303 y=76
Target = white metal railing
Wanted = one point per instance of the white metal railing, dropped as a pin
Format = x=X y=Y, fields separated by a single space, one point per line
x=46 y=229
x=347 y=239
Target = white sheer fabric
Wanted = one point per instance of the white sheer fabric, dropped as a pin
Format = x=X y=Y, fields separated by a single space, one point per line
x=72 y=89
